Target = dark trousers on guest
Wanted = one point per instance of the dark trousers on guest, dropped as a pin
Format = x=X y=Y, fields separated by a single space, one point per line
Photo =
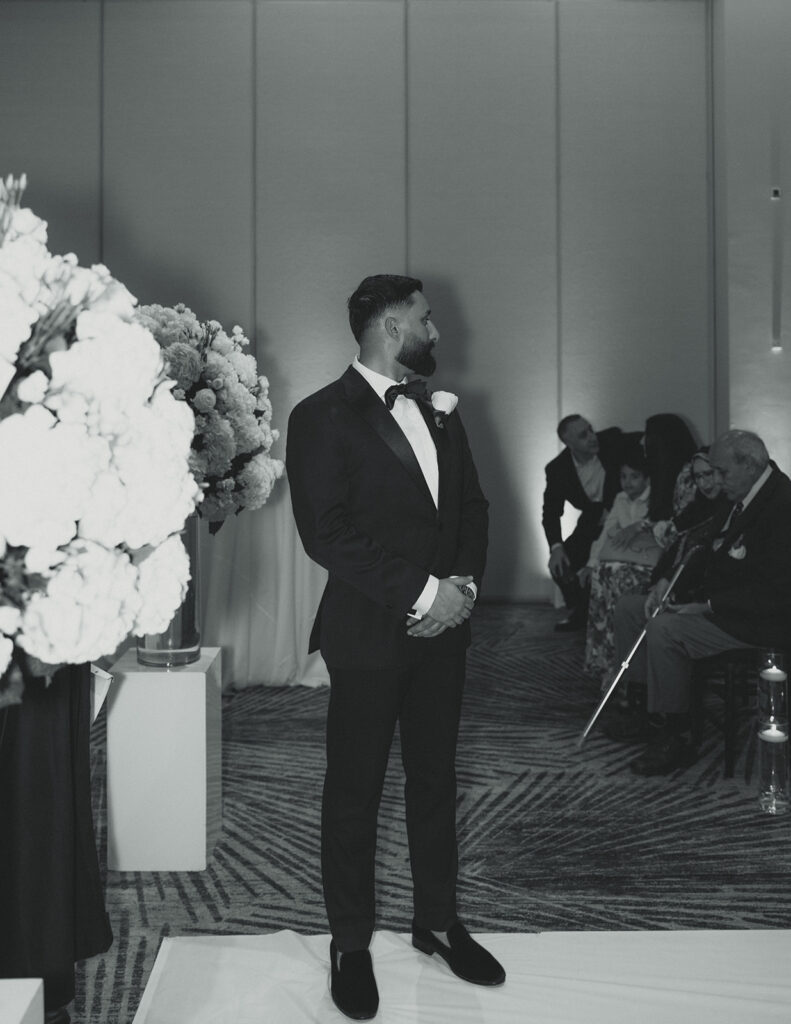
x=664 y=660
x=425 y=699
x=578 y=548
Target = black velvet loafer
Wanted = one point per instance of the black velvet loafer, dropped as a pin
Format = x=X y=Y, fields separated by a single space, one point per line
x=352 y=983
x=466 y=958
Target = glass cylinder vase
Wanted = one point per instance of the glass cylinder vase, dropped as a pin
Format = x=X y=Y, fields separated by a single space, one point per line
x=179 y=644
x=773 y=748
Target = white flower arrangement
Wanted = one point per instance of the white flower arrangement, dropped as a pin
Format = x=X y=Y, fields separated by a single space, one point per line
x=220 y=382
x=94 y=458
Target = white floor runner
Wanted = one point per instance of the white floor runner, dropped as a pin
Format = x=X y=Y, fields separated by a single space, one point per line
x=687 y=977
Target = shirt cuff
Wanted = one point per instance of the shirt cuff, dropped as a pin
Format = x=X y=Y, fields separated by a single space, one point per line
x=557 y=544
x=426 y=599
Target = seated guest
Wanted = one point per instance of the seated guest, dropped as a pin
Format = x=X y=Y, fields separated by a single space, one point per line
x=613 y=570
x=744 y=601
x=689 y=528
x=586 y=475
x=669 y=445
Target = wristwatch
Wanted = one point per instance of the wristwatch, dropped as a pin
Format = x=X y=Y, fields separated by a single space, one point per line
x=467 y=591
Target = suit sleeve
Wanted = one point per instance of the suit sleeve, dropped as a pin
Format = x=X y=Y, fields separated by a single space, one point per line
x=770 y=570
x=554 y=503
x=470 y=558
x=318 y=481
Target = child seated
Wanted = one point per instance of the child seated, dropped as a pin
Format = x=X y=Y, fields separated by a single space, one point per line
x=615 y=566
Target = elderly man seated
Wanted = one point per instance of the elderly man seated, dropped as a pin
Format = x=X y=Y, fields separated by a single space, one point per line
x=744 y=601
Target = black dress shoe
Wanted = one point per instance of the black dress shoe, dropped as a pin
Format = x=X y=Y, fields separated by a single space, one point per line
x=466 y=958
x=352 y=983
x=575 y=622
x=666 y=756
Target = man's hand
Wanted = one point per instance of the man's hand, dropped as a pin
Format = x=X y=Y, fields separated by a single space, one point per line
x=426 y=627
x=691 y=608
x=655 y=595
x=559 y=564
x=450 y=606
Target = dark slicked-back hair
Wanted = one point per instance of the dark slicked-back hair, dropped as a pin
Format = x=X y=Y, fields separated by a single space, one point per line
x=566 y=421
x=633 y=457
x=375 y=295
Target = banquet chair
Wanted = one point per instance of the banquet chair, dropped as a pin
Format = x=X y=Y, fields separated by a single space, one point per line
x=732 y=676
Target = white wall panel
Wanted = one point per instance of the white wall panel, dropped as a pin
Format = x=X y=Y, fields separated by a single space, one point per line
x=482 y=236
x=178 y=153
x=756 y=151
x=635 y=297
x=330 y=177
x=49 y=116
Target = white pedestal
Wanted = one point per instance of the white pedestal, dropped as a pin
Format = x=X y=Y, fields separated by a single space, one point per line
x=22 y=1001
x=164 y=764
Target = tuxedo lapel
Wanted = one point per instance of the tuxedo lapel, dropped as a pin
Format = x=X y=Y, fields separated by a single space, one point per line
x=740 y=523
x=439 y=435
x=369 y=405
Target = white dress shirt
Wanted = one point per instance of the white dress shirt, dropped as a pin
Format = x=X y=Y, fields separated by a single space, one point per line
x=625 y=512
x=409 y=418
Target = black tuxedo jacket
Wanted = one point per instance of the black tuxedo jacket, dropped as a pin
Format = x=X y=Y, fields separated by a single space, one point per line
x=563 y=485
x=748 y=578
x=364 y=512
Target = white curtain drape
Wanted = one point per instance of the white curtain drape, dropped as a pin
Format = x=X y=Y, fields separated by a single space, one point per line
x=260 y=593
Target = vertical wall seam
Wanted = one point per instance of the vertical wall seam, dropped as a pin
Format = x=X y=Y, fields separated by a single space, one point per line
x=407 y=240
x=716 y=364
x=558 y=224
x=254 y=182
x=100 y=168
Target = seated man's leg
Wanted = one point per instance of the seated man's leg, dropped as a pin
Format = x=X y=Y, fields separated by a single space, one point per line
x=629 y=619
x=673 y=642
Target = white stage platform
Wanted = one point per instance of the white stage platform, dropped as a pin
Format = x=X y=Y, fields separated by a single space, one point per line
x=686 y=977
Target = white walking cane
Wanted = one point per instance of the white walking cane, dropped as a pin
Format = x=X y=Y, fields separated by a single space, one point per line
x=625 y=664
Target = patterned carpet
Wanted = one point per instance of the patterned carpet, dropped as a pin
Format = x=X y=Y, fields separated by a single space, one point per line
x=551 y=837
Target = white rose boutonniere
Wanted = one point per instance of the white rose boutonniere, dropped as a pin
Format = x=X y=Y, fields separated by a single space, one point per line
x=443 y=403
x=738 y=551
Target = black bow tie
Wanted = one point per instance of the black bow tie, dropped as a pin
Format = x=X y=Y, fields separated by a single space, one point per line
x=414 y=389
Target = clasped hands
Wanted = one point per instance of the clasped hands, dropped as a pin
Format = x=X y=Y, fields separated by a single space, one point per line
x=449 y=609
x=657 y=593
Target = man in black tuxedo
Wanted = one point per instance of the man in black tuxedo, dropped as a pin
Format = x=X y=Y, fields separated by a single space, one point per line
x=586 y=474
x=743 y=601
x=387 y=499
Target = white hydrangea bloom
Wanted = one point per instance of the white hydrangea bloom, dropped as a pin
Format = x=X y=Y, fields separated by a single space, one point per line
x=16 y=318
x=33 y=388
x=90 y=605
x=53 y=467
x=147 y=491
x=106 y=375
x=163 y=574
x=10 y=619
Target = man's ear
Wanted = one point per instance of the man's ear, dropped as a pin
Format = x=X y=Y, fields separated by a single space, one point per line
x=391 y=326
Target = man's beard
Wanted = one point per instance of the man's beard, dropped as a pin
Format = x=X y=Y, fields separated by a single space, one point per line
x=417 y=357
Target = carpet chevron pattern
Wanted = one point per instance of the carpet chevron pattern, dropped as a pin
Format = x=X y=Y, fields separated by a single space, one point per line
x=551 y=837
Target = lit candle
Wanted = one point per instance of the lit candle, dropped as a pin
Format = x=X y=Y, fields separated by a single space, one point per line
x=773 y=733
